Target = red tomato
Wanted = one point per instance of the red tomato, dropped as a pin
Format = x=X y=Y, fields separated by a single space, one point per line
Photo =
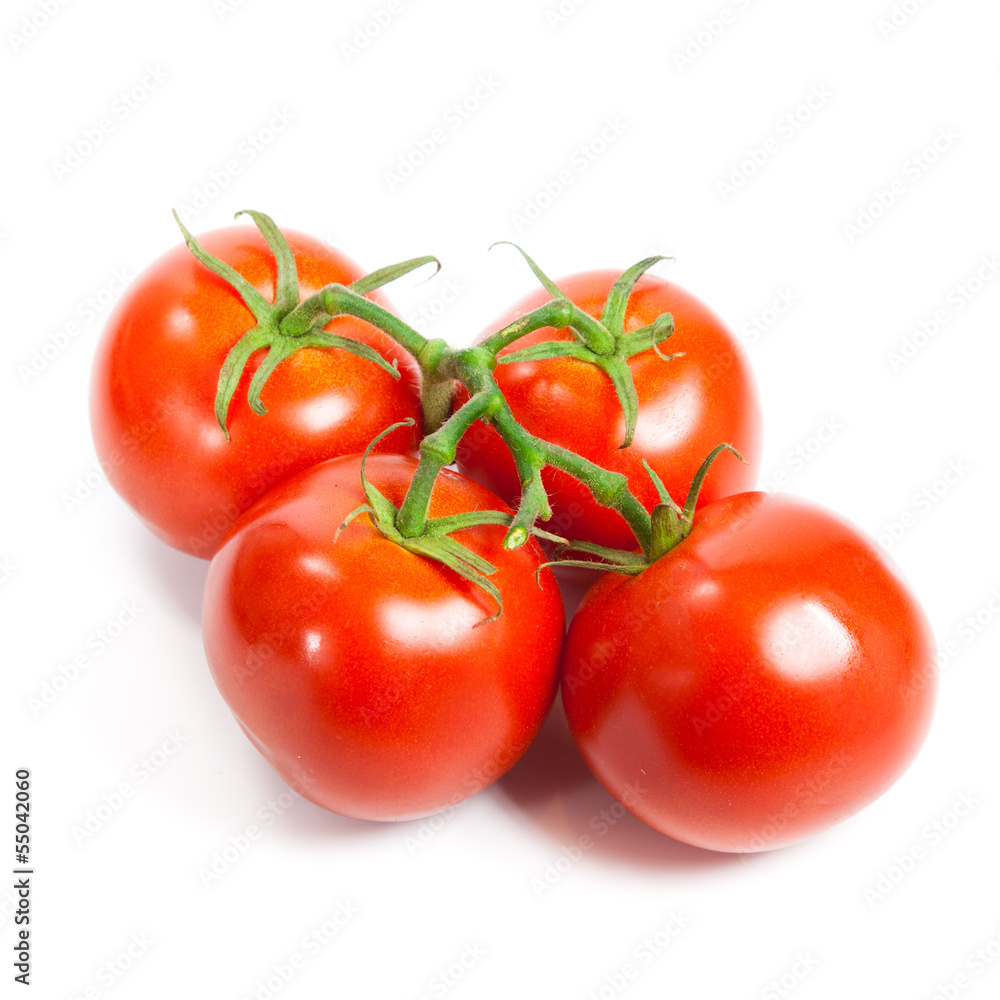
x=357 y=667
x=157 y=370
x=763 y=680
x=687 y=406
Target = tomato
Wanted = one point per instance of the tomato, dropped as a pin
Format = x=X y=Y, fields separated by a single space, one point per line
x=368 y=676
x=687 y=406
x=764 y=679
x=156 y=373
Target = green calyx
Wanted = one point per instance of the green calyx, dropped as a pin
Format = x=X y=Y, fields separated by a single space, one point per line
x=435 y=541
x=602 y=342
x=289 y=323
x=669 y=526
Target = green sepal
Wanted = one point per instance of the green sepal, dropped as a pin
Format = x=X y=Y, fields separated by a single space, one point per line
x=618 y=556
x=612 y=560
x=280 y=349
x=627 y=569
x=255 y=302
x=323 y=338
x=547 y=283
x=461 y=560
x=617 y=369
x=231 y=372
x=669 y=523
x=286 y=286
x=357 y=512
x=699 y=477
x=646 y=337
x=615 y=305
x=383 y=510
x=661 y=490
x=589 y=331
x=667 y=529
x=547 y=349
x=436 y=542
x=286 y=325
x=384 y=275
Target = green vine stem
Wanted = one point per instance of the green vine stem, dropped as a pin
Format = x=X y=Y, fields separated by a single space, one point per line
x=287 y=324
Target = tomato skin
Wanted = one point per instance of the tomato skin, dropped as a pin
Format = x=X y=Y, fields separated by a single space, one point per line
x=687 y=406
x=765 y=679
x=155 y=377
x=355 y=666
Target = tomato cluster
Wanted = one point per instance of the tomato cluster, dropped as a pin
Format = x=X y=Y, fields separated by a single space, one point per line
x=746 y=670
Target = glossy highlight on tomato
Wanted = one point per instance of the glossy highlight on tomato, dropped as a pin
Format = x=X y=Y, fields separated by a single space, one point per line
x=156 y=374
x=766 y=678
x=687 y=406
x=368 y=676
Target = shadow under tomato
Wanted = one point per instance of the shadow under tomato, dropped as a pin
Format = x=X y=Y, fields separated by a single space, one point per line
x=554 y=788
x=308 y=821
x=181 y=576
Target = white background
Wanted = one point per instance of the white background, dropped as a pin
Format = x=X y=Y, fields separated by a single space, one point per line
x=908 y=452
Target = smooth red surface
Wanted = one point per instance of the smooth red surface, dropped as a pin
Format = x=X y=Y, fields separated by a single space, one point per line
x=765 y=679
x=687 y=406
x=356 y=667
x=157 y=369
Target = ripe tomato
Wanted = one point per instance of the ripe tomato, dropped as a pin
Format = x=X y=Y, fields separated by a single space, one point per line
x=156 y=373
x=765 y=679
x=367 y=675
x=687 y=406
